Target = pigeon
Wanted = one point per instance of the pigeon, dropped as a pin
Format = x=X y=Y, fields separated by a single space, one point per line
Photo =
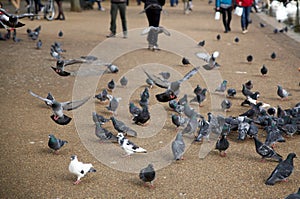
x=99 y=118
x=231 y=92
x=249 y=85
x=39 y=44
x=201 y=97
x=111 y=85
x=166 y=96
x=124 y=81
x=191 y=126
x=273 y=135
x=174 y=86
x=104 y=135
x=226 y=105
x=144 y=101
x=249 y=58
x=60 y=33
x=165 y=75
x=264 y=70
x=55 y=143
x=294 y=195
x=222 y=87
x=112 y=68
x=60 y=66
x=218 y=37
x=262 y=25
x=201 y=43
x=122 y=128
x=185 y=61
x=79 y=169
x=148 y=175
x=34 y=34
x=282 y=171
x=134 y=110
x=128 y=146
x=173 y=104
x=57 y=47
x=197 y=90
x=178 y=120
x=282 y=93
x=266 y=151
x=222 y=145
x=253 y=129
x=209 y=59
x=271 y=111
x=243 y=128
x=149 y=82
x=113 y=104
x=55 y=54
x=178 y=147
x=49 y=97
x=216 y=123
x=11 y=21
x=273 y=55
x=145 y=93
x=275 y=31
x=143 y=117
x=103 y=96
x=58 y=107
x=204 y=130
x=236 y=40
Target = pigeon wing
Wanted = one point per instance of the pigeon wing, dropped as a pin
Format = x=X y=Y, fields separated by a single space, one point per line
x=73 y=61
x=41 y=98
x=70 y=105
x=157 y=81
x=190 y=74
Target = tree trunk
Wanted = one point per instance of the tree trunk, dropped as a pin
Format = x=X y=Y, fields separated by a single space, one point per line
x=75 y=6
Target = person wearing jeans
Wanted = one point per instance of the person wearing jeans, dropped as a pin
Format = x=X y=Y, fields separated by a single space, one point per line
x=117 y=5
x=245 y=18
x=225 y=8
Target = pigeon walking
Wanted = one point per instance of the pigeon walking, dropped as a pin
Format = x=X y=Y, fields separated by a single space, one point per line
x=143 y=117
x=122 y=128
x=113 y=104
x=185 y=61
x=282 y=93
x=128 y=146
x=266 y=151
x=222 y=87
x=102 y=96
x=264 y=70
x=55 y=143
x=124 y=81
x=222 y=145
x=148 y=175
x=178 y=147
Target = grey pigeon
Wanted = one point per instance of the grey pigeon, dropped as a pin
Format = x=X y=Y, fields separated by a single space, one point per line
x=266 y=151
x=273 y=135
x=134 y=110
x=243 y=128
x=165 y=75
x=143 y=117
x=178 y=120
x=121 y=127
x=99 y=118
x=282 y=171
x=191 y=126
x=218 y=36
x=61 y=64
x=249 y=85
x=222 y=87
x=200 y=97
x=113 y=104
x=282 y=93
x=294 y=195
x=148 y=175
x=197 y=90
x=55 y=143
x=124 y=81
x=79 y=169
x=253 y=130
x=178 y=147
x=216 y=123
x=209 y=59
x=226 y=105
x=104 y=135
x=128 y=146
x=222 y=145
x=204 y=130
x=39 y=44
x=58 y=107
x=103 y=96
x=112 y=68
x=144 y=101
x=111 y=85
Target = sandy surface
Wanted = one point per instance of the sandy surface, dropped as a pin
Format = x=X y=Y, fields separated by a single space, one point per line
x=30 y=170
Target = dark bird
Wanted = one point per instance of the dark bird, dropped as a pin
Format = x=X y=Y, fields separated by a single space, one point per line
x=60 y=33
x=199 y=98
x=282 y=93
x=275 y=31
x=262 y=25
x=102 y=96
x=121 y=127
x=111 y=85
x=166 y=96
x=249 y=85
x=236 y=40
x=271 y=111
x=294 y=195
x=55 y=143
x=49 y=97
x=61 y=64
x=178 y=120
x=218 y=37
x=201 y=43
x=134 y=110
x=148 y=175
x=222 y=145
x=264 y=70
x=231 y=92
x=226 y=105
x=185 y=61
x=282 y=171
x=266 y=151
x=273 y=55
x=273 y=134
x=104 y=135
x=197 y=90
x=99 y=118
x=39 y=44
x=253 y=130
x=142 y=117
x=249 y=58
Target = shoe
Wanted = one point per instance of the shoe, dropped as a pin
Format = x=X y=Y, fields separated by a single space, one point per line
x=101 y=9
x=245 y=31
x=125 y=36
x=111 y=35
x=225 y=31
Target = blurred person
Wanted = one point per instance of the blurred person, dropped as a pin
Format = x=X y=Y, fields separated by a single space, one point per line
x=225 y=8
x=117 y=5
x=245 y=18
x=61 y=15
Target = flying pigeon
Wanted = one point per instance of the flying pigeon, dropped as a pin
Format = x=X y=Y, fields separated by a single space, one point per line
x=143 y=117
x=55 y=143
x=148 y=175
x=178 y=147
x=282 y=93
x=112 y=68
x=113 y=104
x=226 y=105
x=209 y=59
x=282 y=171
x=222 y=87
x=11 y=21
x=266 y=151
x=122 y=128
x=49 y=97
x=185 y=61
x=60 y=66
x=60 y=33
x=222 y=145
x=231 y=92
x=264 y=70
x=249 y=58
x=79 y=169
x=201 y=43
x=128 y=146
x=103 y=96
x=166 y=96
x=111 y=85
x=124 y=81
x=58 y=107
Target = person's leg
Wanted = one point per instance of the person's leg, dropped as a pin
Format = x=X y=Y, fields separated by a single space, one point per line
x=59 y=12
x=247 y=18
x=122 y=9
x=229 y=17
x=113 y=16
x=223 y=12
x=243 y=19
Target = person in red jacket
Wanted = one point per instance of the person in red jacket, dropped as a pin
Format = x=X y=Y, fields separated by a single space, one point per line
x=245 y=18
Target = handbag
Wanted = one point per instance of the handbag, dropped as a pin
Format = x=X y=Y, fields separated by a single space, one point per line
x=238 y=11
x=217 y=15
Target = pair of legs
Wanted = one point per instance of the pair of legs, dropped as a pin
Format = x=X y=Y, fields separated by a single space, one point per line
x=245 y=18
x=61 y=15
x=226 y=18
x=16 y=4
x=114 y=8
x=153 y=16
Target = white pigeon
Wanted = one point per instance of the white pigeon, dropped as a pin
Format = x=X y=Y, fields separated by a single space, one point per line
x=209 y=59
x=128 y=146
x=79 y=169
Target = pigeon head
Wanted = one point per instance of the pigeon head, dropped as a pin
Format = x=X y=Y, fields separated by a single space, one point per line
x=60 y=63
x=120 y=135
x=215 y=54
x=51 y=136
x=73 y=157
x=291 y=156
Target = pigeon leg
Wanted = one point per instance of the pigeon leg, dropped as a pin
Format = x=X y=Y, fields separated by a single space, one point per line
x=285 y=180
x=263 y=160
x=55 y=152
x=77 y=182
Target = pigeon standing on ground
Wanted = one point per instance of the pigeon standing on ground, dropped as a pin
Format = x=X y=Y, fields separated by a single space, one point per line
x=39 y=44
x=249 y=58
x=266 y=151
x=102 y=96
x=79 y=169
x=236 y=40
x=222 y=145
x=178 y=147
x=209 y=59
x=104 y=135
x=111 y=85
x=222 y=87
x=226 y=105
x=264 y=70
x=134 y=110
x=282 y=93
x=128 y=146
x=143 y=117
x=55 y=143
x=204 y=130
x=294 y=195
x=185 y=61
x=60 y=33
x=249 y=85
x=124 y=81
x=231 y=92
x=273 y=55
x=112 y=68
x=122 y=128
x=218 y=37
x=178 y=120
x=282 y=171
x=201 y=97
x=148 y=175
x=99 y=118
x=201 y=43
x=113 y=104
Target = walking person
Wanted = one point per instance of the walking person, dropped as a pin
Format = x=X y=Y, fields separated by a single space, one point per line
x=115 y=6
x=225 y=8
x=61 y=15
x=245 y=18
